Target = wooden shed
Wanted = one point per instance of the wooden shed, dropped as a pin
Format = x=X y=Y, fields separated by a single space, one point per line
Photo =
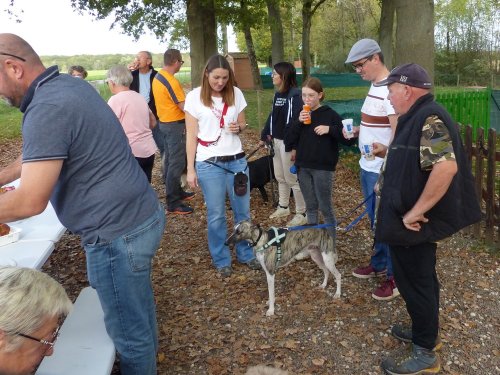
x=240 y=63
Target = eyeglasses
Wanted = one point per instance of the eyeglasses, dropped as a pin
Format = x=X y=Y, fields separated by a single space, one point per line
x=360 y=66
x=50 y=344
x=11 y=55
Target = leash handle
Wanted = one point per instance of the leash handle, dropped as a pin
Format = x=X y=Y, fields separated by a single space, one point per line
x=253 y=152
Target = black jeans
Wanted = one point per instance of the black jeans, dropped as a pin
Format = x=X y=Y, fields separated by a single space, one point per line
x=146 y=165
x=417 y=282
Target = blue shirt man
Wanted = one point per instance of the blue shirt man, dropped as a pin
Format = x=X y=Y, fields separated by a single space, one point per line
x=76 y=155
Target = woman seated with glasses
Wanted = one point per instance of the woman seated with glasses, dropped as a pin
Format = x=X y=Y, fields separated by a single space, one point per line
x=31 y=307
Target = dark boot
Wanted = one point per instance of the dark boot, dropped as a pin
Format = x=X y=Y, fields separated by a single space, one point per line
x=403 y=333
x=418 y=361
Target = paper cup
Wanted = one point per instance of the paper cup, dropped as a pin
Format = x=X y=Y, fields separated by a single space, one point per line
x=348 y=127
x=368 y=151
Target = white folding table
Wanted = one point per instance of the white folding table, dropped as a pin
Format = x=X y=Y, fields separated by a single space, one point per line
x=36 y=241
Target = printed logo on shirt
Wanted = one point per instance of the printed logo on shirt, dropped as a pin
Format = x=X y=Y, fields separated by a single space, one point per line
x=280 y=102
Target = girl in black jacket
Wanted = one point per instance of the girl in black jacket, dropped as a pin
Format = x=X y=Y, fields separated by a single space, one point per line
x=317 y=152
x=287 y=104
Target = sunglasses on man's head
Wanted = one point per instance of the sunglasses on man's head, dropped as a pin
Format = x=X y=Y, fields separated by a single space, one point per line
x=11 y=55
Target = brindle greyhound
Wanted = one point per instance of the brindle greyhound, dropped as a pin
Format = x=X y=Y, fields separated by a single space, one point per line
x=273 y=250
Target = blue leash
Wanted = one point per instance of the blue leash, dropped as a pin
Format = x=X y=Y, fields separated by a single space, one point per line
x=346 y=229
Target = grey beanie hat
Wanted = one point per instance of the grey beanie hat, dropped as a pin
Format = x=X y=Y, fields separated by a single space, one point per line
x=361 y=49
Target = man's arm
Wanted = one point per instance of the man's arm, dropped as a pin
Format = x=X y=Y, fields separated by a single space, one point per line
x=438 y=183
x=11 y=172
x=181 y=106
x=379 y=149
x=31 y=197
x=393 y=120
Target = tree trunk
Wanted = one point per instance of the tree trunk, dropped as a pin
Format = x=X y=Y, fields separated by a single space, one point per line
x=308 y=10
x=224 y=41
x=276 y=27
x=257 y=83
x=202 y=35
x=415 y=44
x=386 y=31
x=306 y=36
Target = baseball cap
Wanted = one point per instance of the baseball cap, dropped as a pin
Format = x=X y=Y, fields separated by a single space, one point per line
x=408 y=74
x=361 y=49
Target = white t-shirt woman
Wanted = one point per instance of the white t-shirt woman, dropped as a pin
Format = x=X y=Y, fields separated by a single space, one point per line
x=220 y=141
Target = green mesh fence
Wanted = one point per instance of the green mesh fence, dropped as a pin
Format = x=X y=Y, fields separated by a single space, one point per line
x=347 y=109
x=327 y=80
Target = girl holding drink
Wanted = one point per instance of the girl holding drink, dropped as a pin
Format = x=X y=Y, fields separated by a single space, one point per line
x=317 y=152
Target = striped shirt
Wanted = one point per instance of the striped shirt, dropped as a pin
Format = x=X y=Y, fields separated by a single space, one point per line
x=375 y=125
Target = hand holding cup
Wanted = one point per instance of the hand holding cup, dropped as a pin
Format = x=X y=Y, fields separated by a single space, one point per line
x=348 y=128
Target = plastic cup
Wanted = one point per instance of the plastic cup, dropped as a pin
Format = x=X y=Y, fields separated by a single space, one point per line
x=368 y=151
x=227 y=123
x=348 y=127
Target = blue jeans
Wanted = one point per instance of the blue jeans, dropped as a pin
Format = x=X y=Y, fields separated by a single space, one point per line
x=381 y=257
x=316 y=187
x=215 y=183
x=174 y=160
x=120 y=271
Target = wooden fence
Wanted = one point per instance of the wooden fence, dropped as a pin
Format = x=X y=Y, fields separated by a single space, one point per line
x=485 y=161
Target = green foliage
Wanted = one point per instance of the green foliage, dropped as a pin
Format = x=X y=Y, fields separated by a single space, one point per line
x=334 y=30
x=261 y=36
x=337 y=27
x=467 y=41
x=136 y=16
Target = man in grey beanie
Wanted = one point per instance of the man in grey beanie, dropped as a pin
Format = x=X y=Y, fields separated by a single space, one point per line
x=378 y=122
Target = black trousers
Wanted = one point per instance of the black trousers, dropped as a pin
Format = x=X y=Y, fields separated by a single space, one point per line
x=417 y=282
x=146 y=165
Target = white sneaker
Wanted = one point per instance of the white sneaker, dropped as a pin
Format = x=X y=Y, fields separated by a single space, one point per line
x=280 y=212
x=298 y=219
x=304 y=254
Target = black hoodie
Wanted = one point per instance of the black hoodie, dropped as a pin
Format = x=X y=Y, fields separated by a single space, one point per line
x=286 y=109
x=318 y=151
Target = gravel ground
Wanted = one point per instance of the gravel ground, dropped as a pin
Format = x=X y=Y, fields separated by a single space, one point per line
x=213 y=326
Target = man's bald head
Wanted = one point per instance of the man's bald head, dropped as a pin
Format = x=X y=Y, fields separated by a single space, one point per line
x=13 y=45
x=19 y=67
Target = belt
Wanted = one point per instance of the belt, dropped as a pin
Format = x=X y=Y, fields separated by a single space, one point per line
x=173 y=122
x=215 y=159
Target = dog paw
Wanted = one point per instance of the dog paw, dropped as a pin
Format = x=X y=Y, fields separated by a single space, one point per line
x=336 y=295
x=270 y=312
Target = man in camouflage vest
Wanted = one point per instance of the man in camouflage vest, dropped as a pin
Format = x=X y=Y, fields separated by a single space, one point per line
x=426 y=194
